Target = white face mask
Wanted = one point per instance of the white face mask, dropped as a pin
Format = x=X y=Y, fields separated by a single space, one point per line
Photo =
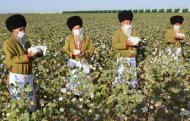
x=176 y=27
x=21 y=35
x=126 y=27
x=77 y=31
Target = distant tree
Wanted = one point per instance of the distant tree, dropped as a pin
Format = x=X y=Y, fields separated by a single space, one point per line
x=114 y=11
x=161 y=10
x=135 y=11
x=185 y=10
x=154 y=10
x=176 y=10
x=118 y=11
x=147 y=11
x=141 y=11
x=109 y=11
x=169 y=10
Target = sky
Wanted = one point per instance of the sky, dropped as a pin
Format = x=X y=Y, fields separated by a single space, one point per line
x=47 y=6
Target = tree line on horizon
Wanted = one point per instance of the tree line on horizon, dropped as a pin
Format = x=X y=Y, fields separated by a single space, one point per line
x=185 y=10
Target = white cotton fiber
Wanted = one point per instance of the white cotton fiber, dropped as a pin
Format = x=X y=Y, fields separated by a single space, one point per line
x=36 y=49
x=134 y=40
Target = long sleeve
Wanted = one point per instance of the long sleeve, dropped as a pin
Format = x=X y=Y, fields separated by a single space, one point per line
x=117 y=43
x=11 y=55
x=66 y=46
x=186 y=37
x=16 y=57
x=90 y=48
x=169 y=37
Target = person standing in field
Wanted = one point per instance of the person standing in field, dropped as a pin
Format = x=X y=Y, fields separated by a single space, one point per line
x=125 y=40
x=18 y=60
x=78 y=46
x=175 y=35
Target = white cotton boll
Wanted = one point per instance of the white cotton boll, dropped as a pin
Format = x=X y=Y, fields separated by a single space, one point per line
x=173 y=55
x=91 y=95
x=103 y=46
x=80 y=106
x=60 y=99
x=91 y=66
x=91 y=105
x=175 y=58
x=36 y=49
x=63 y=90
x=144 y=109
x=154 y=53
x=97 y=117
x=134 y=40
x=76 y=52
x=169 y=51
x=161 y=53
x=100 y=68
x=94 y=68
x=8 y=114
x=90 y=111
x=68 y=92
x=61 y=109
x=74 y=100
x=54 y=100
x=8 y=105
x=81 y=99
x=73 y=71
x=3 y=56
x=33 y=50
x=151 y=107
x=44 y=49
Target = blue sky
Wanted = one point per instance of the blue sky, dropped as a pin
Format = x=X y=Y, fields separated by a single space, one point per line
x=27 y=6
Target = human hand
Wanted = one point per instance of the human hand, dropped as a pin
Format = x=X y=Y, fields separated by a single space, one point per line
x=31 y=54
x=76 y=52
x=129 y=44
x=81 y=54
x=179 y=36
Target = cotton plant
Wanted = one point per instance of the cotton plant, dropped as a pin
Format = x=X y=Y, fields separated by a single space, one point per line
x=167 y=94
x=121 y=89
x=78 y=83
x=164 y=71
x=80 y=64
x=164 y=61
